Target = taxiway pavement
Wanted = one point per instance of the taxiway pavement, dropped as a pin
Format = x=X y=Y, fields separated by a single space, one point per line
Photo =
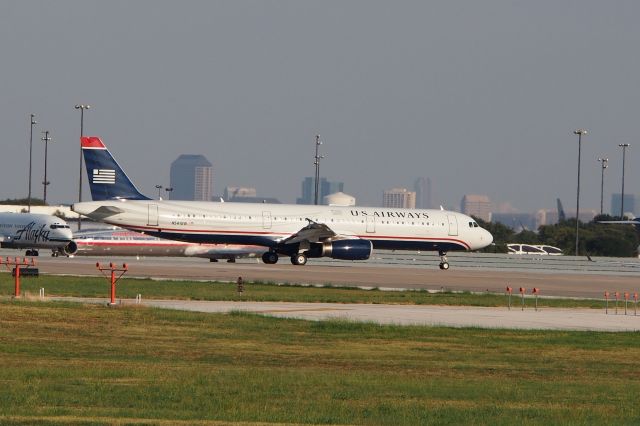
x=450 y=316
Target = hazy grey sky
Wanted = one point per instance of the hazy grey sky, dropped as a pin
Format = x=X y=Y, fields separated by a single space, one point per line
x=481 y=97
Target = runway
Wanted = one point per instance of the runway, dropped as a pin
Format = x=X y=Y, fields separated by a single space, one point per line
x=362 y=274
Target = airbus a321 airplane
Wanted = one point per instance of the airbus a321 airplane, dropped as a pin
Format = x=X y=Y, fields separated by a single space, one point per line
x=32 y=231
x=295 y=231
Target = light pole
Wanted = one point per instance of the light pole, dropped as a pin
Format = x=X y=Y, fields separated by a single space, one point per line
x=81 y=107
x=33 y=122
x=159 y=188
x=317 y=164
x=604 y=163
x=578 y=132
x=168 y=189
x=624 y=147
x=45 y=183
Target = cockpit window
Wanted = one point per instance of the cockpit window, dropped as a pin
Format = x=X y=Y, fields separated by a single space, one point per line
x=58 y=226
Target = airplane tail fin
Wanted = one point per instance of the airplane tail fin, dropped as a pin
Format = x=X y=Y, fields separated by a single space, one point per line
x=107 y=180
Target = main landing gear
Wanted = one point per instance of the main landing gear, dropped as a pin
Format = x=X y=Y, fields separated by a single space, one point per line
x=299 y=259
x=444 y=264
x=31 y=253
x=270 y=257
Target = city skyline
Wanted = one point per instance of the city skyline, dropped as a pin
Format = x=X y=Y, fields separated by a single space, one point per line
x=481 y=98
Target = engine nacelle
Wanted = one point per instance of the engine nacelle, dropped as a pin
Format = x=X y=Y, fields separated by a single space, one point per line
x=70 y=248
x=355 y=249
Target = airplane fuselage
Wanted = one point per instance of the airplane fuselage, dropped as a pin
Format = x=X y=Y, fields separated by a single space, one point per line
x=268 y=224
x=34 y=231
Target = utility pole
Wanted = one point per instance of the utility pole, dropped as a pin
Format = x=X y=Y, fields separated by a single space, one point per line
x=33 y=122
x=624 y=147
x=317 y=164
x=45 y=183
x=578 y=132
x=604 y=163
x=81 y=107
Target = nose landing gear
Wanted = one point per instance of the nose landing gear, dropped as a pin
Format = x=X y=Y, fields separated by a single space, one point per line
x=444 y=263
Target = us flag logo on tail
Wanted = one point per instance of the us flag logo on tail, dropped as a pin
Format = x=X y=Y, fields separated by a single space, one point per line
x=104 y=176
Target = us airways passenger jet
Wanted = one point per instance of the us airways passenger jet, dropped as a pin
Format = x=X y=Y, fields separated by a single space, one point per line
x=296 y=231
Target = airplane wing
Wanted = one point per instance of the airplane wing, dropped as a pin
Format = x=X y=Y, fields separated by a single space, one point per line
x=312 y=233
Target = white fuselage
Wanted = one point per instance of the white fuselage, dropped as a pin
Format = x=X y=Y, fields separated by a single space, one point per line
x=33 y=231
x=268 y=224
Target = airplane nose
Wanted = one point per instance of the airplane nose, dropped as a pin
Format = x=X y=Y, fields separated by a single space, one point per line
x=488 y=237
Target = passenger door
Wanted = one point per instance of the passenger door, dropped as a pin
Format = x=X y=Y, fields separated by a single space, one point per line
x=266 y=220
x=371 y=224
x=152 y=218
x=453 y=225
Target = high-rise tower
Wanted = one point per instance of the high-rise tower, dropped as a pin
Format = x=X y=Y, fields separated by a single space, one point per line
x=191 y=178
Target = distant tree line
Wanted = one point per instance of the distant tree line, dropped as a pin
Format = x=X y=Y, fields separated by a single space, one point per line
x=23 y=202
x=596 y=239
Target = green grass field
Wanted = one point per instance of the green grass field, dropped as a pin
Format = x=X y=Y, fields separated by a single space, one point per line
x=151 y=289
x=89 y=364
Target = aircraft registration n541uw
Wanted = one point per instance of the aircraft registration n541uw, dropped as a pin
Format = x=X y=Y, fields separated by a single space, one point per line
x=296 y=231
x=34 y=231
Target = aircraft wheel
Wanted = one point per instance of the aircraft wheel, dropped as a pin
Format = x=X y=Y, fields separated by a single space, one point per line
x=27 y=253
x=270 y=257
x=299 y=259
x=444 y=266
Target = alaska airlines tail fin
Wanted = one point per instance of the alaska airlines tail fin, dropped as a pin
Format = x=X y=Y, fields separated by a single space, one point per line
x=107 y=180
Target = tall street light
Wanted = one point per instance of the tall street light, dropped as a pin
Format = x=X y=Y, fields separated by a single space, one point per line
x=159 y=188
x=33 y=122
x=624 y=147
x=317 y=164
x=604 y=163
x=578 y=132
x=45 y=183
x=168 y=189
x=81 y=107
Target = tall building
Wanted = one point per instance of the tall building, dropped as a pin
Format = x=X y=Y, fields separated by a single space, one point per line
x=422 y=187
x=629 y=204
x=191 y=178
x=325 y=188
x=476 y=205
x=399 y=197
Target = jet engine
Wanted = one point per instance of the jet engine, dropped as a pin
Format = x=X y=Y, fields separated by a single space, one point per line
x=355 y=249
x=70 y=248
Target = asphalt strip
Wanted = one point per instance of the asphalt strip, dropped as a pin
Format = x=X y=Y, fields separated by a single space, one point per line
x=449 y=316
